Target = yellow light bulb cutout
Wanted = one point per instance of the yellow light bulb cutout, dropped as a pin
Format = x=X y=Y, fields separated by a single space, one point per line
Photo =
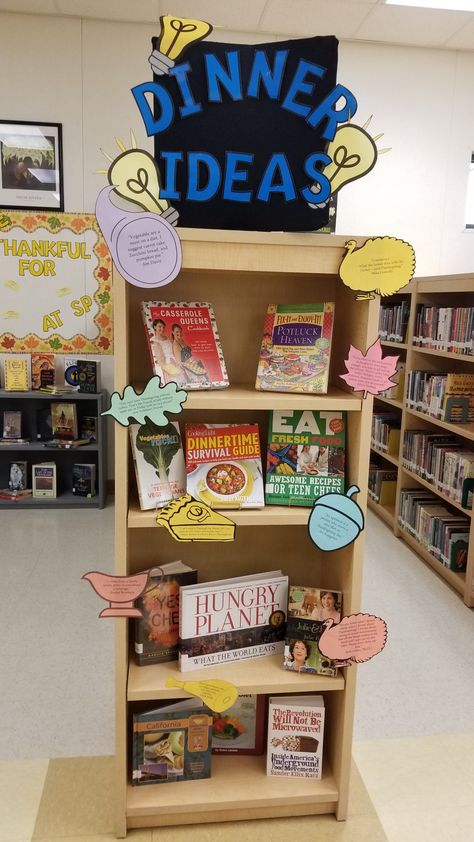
x=353 y=154
x=175 y=36
x=135 y=176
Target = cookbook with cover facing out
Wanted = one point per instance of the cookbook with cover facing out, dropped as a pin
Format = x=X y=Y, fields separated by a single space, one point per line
x=184 y=344
x=232 y=619
x=159 y=463
x=295 y=736
x=296 y=348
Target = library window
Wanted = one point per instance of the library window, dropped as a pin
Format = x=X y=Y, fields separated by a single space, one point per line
x=470 y=196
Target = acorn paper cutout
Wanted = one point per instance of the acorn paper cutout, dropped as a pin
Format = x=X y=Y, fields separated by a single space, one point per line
x=218 y=695
x=382 y=265
x=370 y=373
x=152 y=403
x=357 y=638
x=335 y=521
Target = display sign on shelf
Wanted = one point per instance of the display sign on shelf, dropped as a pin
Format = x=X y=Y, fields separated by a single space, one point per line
x=335 y=520
x=217 y=694
x=152 y=403
x=187 y=519
x=357 y=638
x=382 y=265
x=119 y=591
x=370 y=373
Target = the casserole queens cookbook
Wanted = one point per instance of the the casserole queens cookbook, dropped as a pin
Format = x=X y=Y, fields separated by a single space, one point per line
x=184 y=344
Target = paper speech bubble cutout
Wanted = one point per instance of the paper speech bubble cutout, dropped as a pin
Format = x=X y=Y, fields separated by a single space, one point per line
x=152 y=403
x=356 y=639
x=335 y=521
x=216 y=694
x=187 y=519
x=145 y=248
x=370 y=373
x=119 y=591
x=382 y=265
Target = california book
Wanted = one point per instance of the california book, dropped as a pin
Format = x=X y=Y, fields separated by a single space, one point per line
x=184 y=344
x=224 y=466
x=159 y=463
x=232 y=619
x=296 y=348
x=172 y=743
x=295 y=736
x=156 y=632
x=305 y=456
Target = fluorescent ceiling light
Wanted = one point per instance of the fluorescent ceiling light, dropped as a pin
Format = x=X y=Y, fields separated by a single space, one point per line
x=449 y=5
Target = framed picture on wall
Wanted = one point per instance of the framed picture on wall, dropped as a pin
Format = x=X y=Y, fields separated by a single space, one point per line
x=31 y=165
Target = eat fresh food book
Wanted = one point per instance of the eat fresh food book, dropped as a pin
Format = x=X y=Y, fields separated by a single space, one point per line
x=296 y=348
x=295 y=736
x=307 y=609
x=184 y=344
x=157 y=631
x=223 y=465
x=172 y=743
x=159 y=463
x=232 y=619
x=305 y=456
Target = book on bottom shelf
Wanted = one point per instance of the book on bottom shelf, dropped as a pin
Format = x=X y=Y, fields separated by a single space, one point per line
x=172 y=743
x=241 y=728
x=84 y=479
x=43 y=476
x=296 y=348
x=18 y=476
x=232 y=619
x=157 y=632
x=158 y=459
x=295 y=736
x=305 y=456
x=307 y=610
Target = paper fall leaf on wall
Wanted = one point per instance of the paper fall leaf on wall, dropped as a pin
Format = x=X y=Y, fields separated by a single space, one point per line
x=370 y=372
x=152 y=403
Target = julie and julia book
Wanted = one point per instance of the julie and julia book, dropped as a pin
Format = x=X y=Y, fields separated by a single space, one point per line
x=232 y=619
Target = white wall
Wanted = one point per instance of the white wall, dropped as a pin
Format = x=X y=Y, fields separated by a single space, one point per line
x=80 y=72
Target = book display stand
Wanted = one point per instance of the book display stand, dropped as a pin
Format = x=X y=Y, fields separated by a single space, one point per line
x=446 y=291
x=34 y=450
x=241 y=273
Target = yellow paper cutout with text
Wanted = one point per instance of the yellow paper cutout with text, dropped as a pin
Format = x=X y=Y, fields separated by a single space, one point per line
x=382 y=265
x=187 y=519
x=216 y=694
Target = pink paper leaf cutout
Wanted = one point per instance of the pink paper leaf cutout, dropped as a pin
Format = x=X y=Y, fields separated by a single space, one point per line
x=357 y=638
x=370 y=372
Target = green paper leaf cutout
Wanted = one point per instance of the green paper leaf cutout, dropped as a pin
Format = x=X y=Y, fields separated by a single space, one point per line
x=151 y=404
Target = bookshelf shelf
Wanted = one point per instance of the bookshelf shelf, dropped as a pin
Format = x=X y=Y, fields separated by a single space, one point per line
x=240 y=273
x=31 y=404
x=257 y=675
x=250 y=795
x=388 y=456
x=390 y=402
x=447 y=291
x=402 y=345
x=387 y=513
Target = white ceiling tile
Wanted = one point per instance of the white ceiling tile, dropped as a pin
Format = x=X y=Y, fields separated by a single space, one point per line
x=398 y=25
x=238 y=16
x=463 y=39
x=313 y=17
x=138 y=11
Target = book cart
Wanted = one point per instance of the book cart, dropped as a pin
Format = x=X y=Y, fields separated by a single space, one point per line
x=240 y=273
x=38 y=451
x=449 y=290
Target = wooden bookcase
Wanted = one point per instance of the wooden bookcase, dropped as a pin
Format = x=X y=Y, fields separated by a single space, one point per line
x=241 y=273
x=37 y=451
x=448 y=290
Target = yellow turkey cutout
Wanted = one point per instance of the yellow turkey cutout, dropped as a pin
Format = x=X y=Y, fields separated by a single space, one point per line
x=187 y=519
x=382 y=265
x=216 y=694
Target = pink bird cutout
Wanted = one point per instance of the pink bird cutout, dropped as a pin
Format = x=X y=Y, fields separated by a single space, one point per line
x=357 y=638
x=370 y=372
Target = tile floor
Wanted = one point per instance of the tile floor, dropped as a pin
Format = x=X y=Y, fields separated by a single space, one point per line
x=414 y=734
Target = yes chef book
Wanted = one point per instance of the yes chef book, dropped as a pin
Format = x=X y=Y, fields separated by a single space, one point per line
x=232 y=619
x=296 y=348
x=223 y=465
x=184 y=344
